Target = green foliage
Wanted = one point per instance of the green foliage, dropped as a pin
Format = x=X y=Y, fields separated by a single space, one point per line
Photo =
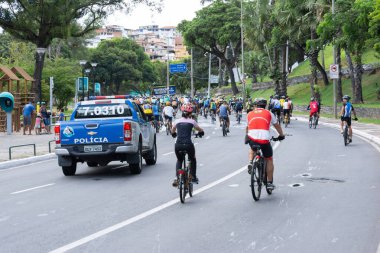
x=374 y=26
x=64 y=71
x=123 y=65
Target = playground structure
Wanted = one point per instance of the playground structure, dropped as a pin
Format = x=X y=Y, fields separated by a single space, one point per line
x=18 y=82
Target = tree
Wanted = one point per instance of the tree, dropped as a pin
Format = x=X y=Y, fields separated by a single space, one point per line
x=214 y=30
x=374 y=26
x=39 y=22
x=122 y=64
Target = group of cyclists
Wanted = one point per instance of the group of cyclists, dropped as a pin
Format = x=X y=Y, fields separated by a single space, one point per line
x=261 y=114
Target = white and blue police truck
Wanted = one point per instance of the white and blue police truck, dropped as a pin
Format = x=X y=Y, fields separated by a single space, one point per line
x=105 y=129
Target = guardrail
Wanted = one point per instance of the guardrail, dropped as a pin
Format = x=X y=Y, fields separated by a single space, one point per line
x=18 y=146
x=50 y=145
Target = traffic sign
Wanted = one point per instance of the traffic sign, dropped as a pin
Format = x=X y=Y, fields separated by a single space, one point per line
x=178 y=68
x=97 y=88
x=334 y=71
x=163 y=90
x=80 y=84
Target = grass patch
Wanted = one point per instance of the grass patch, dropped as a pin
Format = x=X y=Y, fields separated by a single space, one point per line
x=304 y=68
x=300 y=93
x=330 y=116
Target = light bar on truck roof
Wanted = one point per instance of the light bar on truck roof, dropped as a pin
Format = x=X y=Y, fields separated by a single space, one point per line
x=110 y=97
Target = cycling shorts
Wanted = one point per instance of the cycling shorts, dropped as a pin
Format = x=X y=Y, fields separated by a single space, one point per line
x=170 y=119
x=347 y=119
x=265 y=148
x=312 y=113
x=286 y=111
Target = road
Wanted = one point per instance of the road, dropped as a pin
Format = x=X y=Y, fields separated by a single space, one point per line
x=336 y=207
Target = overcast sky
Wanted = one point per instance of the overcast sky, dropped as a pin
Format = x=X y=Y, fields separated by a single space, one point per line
x=173 y=12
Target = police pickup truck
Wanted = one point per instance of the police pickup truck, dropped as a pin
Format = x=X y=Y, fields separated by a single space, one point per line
x=105 y=129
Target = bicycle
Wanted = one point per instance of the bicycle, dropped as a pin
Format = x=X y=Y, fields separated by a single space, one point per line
x=259 y=173
x=346 y=136
x=313 y=121
x=184 y=177
x=239 y=116
x=224 y=126
x=213 y=117
x=168 y=128
x=286 y=120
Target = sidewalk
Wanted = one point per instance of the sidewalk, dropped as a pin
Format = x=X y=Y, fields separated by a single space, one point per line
x=369 y=131
x=17 y=138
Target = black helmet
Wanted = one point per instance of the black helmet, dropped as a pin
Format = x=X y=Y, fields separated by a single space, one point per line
x=261 y=102
x=346 y=97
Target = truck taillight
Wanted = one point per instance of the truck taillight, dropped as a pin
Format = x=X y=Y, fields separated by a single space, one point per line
x=57 y=132
x=127 y=131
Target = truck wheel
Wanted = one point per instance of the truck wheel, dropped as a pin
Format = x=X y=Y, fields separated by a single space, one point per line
x=69 y=170
x=92 y=164
x=136 y=168
x=151 y=157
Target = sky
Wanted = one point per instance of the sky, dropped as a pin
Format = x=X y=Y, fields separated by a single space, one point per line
x=173 y=12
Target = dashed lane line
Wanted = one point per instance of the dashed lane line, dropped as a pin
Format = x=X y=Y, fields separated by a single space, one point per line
x=34 y=188
x=146 y=214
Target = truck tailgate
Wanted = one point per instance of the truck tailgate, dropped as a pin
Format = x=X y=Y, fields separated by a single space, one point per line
x=92 y=132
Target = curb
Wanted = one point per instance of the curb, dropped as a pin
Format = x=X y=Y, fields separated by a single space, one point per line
x=25 y=161
x=369 y=137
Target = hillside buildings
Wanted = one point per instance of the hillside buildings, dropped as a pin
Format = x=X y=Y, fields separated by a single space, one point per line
x=160 y=43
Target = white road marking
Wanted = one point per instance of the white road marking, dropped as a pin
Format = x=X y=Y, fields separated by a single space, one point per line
x=34 y=188
x=25 y=165
x=378 y=249
x=208 y=137
x=148 y=213
x=233 y=185
x=168 y=153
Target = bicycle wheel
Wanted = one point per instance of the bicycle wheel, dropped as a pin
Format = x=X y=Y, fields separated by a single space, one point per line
x=256 y=181
x=224 y=128
x=345 y=135
x=239 y=118
x=286 y=121
x=310 y=122
x=182 y=188
x=167 y=129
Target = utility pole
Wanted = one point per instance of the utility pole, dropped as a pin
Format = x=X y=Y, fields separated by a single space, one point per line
x=334 y=57
x=192 y=75
x=167 y=74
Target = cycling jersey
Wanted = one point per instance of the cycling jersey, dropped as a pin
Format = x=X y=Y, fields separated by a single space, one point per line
x=282 y=101
x=213 y=106
x=347 y=110
x=313 y=107
x=223 y=111
x=148 y=109
x=168 y=111
x=239 y=106
x=259 y=121
x=286 y=105
x=184 y=129
x=155 y=110
x=275 y=104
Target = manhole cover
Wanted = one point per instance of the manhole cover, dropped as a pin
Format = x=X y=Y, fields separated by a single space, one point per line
x=325 y=180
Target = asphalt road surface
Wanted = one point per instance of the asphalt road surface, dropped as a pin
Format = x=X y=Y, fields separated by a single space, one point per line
x=335 y=208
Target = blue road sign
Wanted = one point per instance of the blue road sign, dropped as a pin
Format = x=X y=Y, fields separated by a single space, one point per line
x=178 y=68
x=163 y=90
x=97 y=88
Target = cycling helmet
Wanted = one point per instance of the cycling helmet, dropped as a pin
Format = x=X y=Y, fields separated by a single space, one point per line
x=168 y=103
x=261 y=102
x=346 y=97
x=187 y=109
x=275 y=96
x=312 y=99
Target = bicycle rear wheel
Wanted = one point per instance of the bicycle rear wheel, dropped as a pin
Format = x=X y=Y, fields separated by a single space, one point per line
x=266 y=182
x=224 y=129
x=256 y=181
x=345 y=135
x=310 y=122
x=182 y=188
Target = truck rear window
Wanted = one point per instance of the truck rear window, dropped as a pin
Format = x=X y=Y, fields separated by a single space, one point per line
x=102 y=111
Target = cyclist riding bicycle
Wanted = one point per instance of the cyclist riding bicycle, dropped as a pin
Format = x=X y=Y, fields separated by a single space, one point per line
x=182 y=129
x=258 y=133
x=168 y=112
x=223 y=112
x=276 y=106
x=286 y=107
x=313 y=107
x=345 y=112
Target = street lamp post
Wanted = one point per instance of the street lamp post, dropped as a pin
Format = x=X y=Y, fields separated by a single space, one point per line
x=83 y=64
x=334 y=57
x=209 y=75
x=93 y=65
x=41 y=52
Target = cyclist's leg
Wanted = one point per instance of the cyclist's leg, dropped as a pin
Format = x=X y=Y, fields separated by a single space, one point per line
x=191 y=154
x=348 y=122
x=341 y=124
x=228 y=122
x=268 y=154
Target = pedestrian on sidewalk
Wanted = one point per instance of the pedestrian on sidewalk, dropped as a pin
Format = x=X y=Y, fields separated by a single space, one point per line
x=27 y=113
x=37 y=125
x=61 y=116
x=45 y=117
